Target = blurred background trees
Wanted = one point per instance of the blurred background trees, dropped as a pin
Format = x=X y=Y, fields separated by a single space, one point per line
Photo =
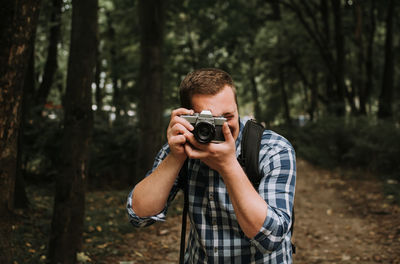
x=293 y=63
x=322 y=73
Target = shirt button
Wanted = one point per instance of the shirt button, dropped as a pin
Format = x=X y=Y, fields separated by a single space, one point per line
x=211 y=197
x=214 y=222
x=215 y=250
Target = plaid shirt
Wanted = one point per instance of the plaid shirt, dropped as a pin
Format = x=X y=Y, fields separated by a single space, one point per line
x=215 y=235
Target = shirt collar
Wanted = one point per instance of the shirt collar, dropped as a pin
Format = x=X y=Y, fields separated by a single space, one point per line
x=239 y=138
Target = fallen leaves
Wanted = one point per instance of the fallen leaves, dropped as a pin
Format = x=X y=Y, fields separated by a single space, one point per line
x=337 y=221
x=82 y=257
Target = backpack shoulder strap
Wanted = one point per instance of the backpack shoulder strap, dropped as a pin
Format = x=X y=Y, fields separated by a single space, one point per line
x=249 y=156
x=250 y=149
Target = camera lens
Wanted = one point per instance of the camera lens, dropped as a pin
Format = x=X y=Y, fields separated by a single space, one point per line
x=204 y=132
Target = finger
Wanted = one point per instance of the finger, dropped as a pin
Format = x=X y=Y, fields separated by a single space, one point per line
x=179 y=120
x=181 y=111
x=227 y=132
x=177 y=140
x=178 y=129
x=192 y=140
x=194 y=153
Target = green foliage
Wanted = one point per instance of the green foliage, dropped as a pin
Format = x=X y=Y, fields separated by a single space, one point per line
x=261 y=45
x=41 y=142
x=353 y=143
x=112 y=156
x=113 y=152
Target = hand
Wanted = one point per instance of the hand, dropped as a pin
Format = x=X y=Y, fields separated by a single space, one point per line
x=219 y=157
x=177 y=130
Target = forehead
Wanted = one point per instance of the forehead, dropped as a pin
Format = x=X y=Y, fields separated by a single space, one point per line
x=219 y=104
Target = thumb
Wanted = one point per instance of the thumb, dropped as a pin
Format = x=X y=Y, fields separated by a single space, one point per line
x=227 y=132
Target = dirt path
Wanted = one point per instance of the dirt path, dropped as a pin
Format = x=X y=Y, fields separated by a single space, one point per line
x=341 y=221
x=337 y=221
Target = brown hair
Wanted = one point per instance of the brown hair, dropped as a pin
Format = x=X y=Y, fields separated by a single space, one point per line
x=204 y=81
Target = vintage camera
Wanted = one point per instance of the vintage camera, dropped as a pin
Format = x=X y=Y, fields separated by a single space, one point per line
x=207 y=128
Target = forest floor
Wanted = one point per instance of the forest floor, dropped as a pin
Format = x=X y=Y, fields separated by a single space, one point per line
x=340 y=218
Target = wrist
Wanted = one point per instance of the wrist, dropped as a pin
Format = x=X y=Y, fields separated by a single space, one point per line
x=177 y=158
x=231 y=167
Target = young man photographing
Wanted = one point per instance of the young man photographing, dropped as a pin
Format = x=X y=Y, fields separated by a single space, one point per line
x=231 y=221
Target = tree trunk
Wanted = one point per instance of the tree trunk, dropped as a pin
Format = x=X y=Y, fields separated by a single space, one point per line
x=335 y=73
x=150 y=108
x=385 y=98
x=285 y=102
x=51 y=62
x=340 y=108
x=18 y=21
x=369 y=66
x=69 y=202
x=254 y=91
x=312 y=110
x=255 y=97
x=358 y=79
x=99 y=93
x=115 y=76
x=20 y=197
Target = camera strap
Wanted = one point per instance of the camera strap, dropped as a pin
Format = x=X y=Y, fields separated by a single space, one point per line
x=183 y=183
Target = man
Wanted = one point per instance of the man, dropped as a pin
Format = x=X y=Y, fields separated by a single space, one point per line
x=231 y=221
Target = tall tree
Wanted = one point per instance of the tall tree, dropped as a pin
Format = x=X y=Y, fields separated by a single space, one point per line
x=307 y=13
x=20 y=196
x=369 y=62
x=113 y=61
x=51 y=62
x=385 y=98
x=69 y=202
x=340 y=59
x=18 y=21
x=151 y=14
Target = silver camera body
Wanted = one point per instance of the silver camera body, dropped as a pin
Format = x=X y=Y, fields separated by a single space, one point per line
x=207 y=128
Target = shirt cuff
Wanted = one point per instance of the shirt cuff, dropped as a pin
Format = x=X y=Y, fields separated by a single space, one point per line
x=272 y=233
x=138 y=221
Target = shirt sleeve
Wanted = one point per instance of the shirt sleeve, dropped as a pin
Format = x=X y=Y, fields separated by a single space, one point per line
x=146 y=221
x=277 y=187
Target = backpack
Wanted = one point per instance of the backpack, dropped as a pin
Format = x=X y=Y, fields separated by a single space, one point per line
x=248 y=159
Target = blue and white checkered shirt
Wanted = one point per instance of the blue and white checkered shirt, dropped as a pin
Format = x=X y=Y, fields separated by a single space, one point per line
x=215 y=235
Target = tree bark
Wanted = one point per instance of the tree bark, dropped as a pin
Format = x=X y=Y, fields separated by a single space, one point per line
x=358 y=79
x=69 y=202
x=254 y=91
x=18 y=20
x=340 y=108
x=115 y=76
x=150 y=110
x=51 y=62
x=20 y=197
x=369 y=62
x=99 y=93
x=385 y=98
x=314 y=97
x=285 y=102
x=321 y=38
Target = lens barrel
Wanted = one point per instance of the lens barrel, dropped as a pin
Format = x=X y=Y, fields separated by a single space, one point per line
x=204 y=132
